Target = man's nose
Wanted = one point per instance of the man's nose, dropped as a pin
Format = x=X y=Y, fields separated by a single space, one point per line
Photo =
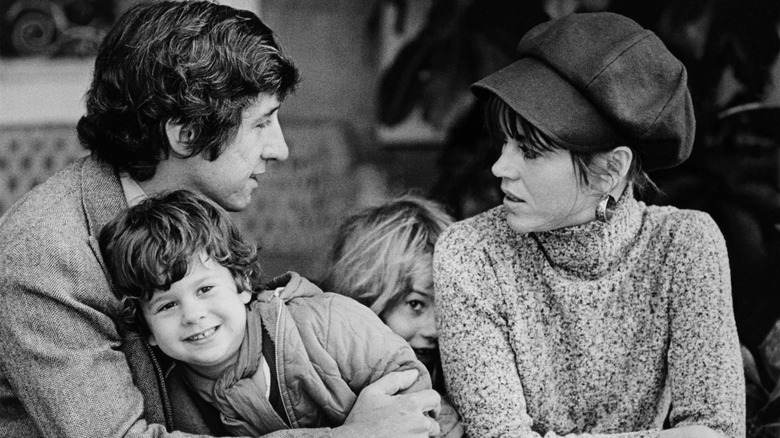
x=276 y=149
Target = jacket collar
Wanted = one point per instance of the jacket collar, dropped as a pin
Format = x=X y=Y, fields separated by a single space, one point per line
x=101 y=193
x=102 y=199
x=590 y=250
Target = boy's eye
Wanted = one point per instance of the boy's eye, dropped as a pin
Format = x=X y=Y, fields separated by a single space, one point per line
x=166 y=306
x=205 y=289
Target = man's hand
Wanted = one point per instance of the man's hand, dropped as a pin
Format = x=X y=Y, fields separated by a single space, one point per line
x=380 y=413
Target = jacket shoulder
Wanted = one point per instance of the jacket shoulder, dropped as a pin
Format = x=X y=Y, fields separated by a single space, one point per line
x=55 y=197
x=322 y=309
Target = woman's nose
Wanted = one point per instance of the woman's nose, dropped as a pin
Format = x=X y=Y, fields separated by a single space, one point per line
x=502 y=168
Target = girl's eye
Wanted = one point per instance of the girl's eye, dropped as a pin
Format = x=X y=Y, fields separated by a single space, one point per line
x=416 y=304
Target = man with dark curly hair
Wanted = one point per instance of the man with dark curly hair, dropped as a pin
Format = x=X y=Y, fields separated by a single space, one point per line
x=184 y=95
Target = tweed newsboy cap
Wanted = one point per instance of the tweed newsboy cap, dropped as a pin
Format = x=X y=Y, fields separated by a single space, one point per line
x=594 y=81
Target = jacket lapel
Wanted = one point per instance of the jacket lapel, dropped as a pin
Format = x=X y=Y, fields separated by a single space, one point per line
x=102 y=199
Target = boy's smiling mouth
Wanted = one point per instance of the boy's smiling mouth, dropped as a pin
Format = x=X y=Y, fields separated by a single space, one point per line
x=202 y=335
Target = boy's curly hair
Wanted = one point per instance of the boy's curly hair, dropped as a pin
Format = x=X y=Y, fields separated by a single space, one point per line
x=150 y=246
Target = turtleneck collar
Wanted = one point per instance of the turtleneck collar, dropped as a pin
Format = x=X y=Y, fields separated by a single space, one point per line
x=591 y=249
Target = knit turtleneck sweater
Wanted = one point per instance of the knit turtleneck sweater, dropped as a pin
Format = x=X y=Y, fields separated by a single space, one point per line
x=600 y=329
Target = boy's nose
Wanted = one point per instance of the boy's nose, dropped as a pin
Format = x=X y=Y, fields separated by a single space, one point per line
x=192 y=312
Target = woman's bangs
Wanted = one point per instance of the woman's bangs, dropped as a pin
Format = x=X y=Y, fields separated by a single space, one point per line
x=504 y=122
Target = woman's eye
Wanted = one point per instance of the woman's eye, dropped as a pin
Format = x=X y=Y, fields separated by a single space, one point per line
x=521 y=145
x=528 y=154
x=264 y=124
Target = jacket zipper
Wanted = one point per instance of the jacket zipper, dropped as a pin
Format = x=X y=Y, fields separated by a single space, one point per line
x=278 y=363
x=166 y=403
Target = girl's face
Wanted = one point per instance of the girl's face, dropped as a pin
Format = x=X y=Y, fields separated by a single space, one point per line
x=542 y=190
x=413 y=319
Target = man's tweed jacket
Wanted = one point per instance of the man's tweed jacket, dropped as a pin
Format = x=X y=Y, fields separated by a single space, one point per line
x=63 y=370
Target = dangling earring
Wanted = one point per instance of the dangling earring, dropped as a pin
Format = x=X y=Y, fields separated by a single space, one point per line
x=605 y=208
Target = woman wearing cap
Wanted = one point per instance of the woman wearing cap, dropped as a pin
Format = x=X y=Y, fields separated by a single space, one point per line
x=573 y=308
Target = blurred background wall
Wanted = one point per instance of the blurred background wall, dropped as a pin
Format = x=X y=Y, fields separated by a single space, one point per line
x=384 y=108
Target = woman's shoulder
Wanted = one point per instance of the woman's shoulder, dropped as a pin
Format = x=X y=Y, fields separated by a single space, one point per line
x=485 y=229
x=681 y=224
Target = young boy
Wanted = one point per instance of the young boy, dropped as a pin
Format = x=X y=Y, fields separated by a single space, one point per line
x=282 y=356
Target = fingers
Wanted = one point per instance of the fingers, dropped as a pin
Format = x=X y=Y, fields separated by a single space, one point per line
x=390 y=384
x=428 y=401
x=433 y=428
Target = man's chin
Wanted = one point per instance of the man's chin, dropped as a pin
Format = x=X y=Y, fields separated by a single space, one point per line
x=236 y=204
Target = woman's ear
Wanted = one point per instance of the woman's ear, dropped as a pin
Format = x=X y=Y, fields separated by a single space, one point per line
x=620 y=161
x=179 y=137
x=245 y=297
x=616 y=164
x=152 y=340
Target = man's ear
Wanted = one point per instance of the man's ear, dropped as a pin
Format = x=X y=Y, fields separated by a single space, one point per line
x=152 y=341
x=245 y=297
x=179 y=137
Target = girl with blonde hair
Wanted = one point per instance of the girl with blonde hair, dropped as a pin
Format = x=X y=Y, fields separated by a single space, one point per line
x=383 y=258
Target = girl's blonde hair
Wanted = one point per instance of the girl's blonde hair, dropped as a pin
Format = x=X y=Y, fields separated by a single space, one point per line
x=379 y=250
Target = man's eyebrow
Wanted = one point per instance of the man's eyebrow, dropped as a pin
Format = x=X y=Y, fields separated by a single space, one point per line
x=273 y=110
x=270 y=111
x=256 y=119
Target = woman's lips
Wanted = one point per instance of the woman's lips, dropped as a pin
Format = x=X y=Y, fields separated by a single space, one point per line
x=511 y=197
